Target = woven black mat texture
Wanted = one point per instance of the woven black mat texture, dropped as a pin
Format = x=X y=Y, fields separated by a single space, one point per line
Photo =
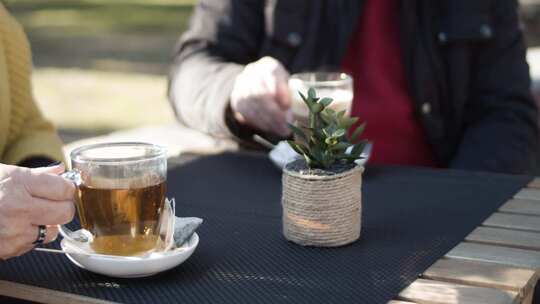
x=411 y=218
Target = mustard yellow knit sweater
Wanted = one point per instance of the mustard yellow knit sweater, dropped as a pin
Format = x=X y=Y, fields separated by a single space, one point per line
x=24 y=132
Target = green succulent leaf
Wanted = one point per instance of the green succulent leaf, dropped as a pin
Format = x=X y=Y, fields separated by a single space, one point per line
x=330 y=129
x=299 y=133
x=340 y=146
x=328 y=160
x=318 y=154
x=331 y=141
x=326 y=117
x=304 y=98
x=309 y=161
x=325 y=142
x=312 y=94
x=327 y=133
x=358 y=148
x=338 y=133
x=317 y=108
x=347 y=122
x=312 y=121
x=298 y=148
x=331 y=112
x=325 y=101
x=357 y=132
x=318 y=135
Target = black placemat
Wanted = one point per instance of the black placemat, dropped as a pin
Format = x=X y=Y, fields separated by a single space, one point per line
x=411 y=217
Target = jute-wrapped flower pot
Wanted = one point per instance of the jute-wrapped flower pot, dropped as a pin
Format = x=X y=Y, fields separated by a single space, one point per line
x=322 y=210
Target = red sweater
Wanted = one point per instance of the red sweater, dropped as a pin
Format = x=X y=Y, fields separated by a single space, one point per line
x=381 y=95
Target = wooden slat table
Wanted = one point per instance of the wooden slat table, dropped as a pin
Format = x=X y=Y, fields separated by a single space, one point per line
x=498 y=262
x=44 y=295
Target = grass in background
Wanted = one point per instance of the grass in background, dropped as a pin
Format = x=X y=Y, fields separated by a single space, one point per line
x=136 y=35
x=100 y=65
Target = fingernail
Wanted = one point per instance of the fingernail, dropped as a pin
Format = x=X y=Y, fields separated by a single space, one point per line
x=56 y=163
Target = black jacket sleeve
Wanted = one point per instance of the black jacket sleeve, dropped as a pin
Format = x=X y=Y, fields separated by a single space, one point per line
x=500 y=117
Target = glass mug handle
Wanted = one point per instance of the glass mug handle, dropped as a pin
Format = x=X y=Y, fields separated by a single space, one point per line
x=81 y=236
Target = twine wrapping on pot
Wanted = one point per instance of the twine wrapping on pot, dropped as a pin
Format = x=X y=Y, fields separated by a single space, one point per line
x=322 y=211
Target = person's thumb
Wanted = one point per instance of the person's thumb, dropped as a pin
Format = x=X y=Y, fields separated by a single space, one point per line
x=283 y=95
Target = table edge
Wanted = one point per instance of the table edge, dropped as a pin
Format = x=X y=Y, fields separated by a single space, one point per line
x=44 y=295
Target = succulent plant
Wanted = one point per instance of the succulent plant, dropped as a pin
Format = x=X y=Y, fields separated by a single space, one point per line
x=327 y=140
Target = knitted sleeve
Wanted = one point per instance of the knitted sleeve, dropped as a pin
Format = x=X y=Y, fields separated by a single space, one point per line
x=29 y=134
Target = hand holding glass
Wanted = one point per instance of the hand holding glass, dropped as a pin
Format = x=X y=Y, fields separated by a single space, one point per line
x=120 y=196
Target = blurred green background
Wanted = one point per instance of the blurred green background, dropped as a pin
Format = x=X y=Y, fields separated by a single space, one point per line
x=118 y=35
x=101 y=64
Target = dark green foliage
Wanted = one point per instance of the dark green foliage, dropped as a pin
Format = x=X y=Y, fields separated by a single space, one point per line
x=324 y=142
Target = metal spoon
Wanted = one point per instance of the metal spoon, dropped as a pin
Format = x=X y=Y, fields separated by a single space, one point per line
x=263 y=141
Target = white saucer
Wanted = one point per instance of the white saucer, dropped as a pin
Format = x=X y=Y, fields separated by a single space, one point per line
x=131 y=267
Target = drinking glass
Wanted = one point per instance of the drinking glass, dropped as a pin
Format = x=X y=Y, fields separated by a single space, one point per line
x=120 y=196
x=336 y=85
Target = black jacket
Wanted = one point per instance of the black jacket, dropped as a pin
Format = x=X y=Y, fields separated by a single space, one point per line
x=464 y=59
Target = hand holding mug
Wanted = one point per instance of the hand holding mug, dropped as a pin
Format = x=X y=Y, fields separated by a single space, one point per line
x=260 y=96
x=30 y=198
